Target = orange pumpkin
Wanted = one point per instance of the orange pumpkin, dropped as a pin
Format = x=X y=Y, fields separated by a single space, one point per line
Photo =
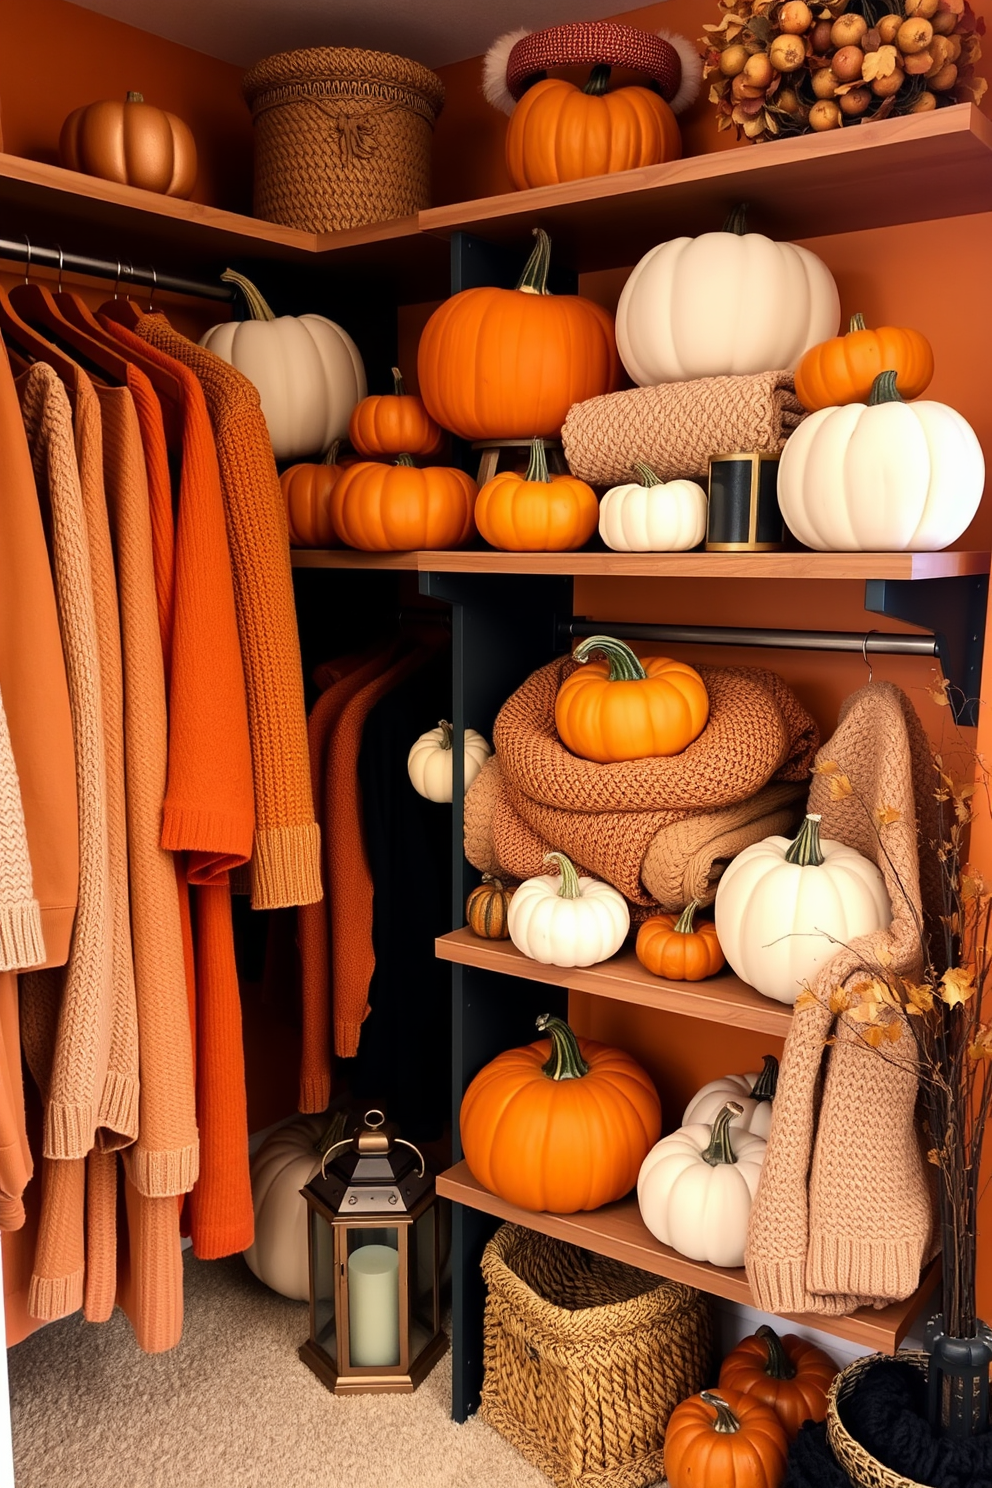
x=394 y=424
x=307 y=492
x=559 y=132
x=536 y=512
x=131 y=143
x=843 y=369
x=669 y=946
x=396 y=508
x=725 y=1440
x=487 y=907
x=528 y=1119
x=789 y=1374
x=626 y=709
x=509 y=363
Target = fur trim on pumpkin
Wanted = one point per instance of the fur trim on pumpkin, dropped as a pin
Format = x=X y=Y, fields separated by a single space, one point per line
x=692 y=71
x=494 y=71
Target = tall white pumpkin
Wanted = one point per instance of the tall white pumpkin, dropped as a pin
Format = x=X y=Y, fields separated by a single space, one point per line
x=308 y=371
x=284 y=1163
x=726 y=302
x=881 y=476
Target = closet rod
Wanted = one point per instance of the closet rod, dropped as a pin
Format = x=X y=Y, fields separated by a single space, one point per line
x=865 y=643
x=120 y=271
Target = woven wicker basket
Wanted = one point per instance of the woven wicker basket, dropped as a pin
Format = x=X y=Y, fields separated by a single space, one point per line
x=585 y=1359
x=860 y=1466
x=342 y=136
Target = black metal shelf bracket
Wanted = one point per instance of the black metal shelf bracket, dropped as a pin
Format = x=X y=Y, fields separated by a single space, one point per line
x=954 y=610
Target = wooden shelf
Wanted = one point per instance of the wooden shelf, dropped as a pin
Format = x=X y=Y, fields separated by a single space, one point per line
x=721 y=999
x=911 y=169
x=799 y=565
x=618 y=1231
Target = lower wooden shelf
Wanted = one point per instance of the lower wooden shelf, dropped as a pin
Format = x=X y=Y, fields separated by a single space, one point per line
x=618 y=1231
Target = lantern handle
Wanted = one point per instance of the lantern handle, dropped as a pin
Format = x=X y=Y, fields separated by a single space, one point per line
x=331 y=1151
x=401 y=1142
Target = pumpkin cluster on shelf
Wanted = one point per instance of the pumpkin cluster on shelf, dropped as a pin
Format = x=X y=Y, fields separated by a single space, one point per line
x=791 y=68
x=622 y=708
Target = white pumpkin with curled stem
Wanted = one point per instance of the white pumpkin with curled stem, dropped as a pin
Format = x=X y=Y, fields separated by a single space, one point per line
x=696 y=1187
x=653 y=516
x=430 y=763
x=754 y=1093
x=564 y=920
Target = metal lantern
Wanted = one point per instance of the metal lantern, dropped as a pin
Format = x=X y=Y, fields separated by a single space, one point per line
x=372 y=1219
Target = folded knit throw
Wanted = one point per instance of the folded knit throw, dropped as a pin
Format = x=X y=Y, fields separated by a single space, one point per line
x=676 y=427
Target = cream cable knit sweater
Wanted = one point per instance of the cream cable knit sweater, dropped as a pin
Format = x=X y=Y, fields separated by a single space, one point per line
x=21 y=940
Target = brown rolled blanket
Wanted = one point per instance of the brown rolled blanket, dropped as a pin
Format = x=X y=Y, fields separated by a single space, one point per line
x=676 y=427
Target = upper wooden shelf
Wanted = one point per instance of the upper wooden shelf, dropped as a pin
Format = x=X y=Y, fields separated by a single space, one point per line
x=720 y=999
x=617 y=1230
x=799 y=565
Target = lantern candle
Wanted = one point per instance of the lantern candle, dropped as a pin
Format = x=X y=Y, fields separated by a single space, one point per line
x=374 y=1306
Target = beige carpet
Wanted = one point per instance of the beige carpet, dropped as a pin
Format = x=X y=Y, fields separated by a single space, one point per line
x=231 y=1407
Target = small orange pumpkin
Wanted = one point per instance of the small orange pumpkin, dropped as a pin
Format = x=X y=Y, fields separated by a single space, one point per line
x=536 y=512
x=669 y=946
x=789 y=1374
x=394 y=424
x=843 y=369
x=307 y=492
x=626 y=709
x=486 y=909
x=132 y=143
x=397 y=508
x=728 y=1440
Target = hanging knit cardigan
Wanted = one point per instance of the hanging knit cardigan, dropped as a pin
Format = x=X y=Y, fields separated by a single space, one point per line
x=285 y=866
x=21 y=940
x=842 y=1216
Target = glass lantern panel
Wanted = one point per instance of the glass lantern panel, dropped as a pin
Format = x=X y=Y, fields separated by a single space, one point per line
x=423 y=1283
x=373 y=1297
x=322 y=1251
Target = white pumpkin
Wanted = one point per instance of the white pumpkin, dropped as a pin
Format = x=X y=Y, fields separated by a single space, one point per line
x=564 y=920
x=784 y=908
x=307 y=369
x=284 y=1163
x=881 y=476
x=430 y=763
x=696 y=1187
x=726 y=302
x=754 y=1094
x=653 y=516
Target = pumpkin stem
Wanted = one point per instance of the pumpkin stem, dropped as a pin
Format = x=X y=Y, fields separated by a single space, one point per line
x=857 y=323
x=569 y=887
x=598 y=79
x=404 y=460
x=135 y=98
x=534 y=279
x=683 y=925
x=258 y=306
x=737 y=221
x=805 y=850
x=726 y=1422
x=537 y=469
x=399 y=386
x=490 y=878
x=779 y=1366
x=646 y=474
x=719 y=1149
x=448 y=733
x=336 y=1132
x=624 y=665
x=884 y=390
x=332 y=452
x=566 y=1062
x=766 y=1085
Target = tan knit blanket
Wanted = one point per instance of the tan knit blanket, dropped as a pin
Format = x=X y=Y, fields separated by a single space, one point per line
x=676 y=427
x=653 y=828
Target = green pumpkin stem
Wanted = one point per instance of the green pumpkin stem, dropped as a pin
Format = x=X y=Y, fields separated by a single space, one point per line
x=490 y=878
x=258 y=306
x=884 y=390
x=447 y=732
x=624 y=665
x=857 y=323
x=726 y=1422
x=805 y=850
x=399 y=386
x=719 y=1149
x=537 y=469
x=135 y=98
x=779 y=1366
x=336 y=1132
x=646 y=474
x=598 y=79
x=331 y=457
x=766 y=1085
x=566 y=1062
x=534 y=279
x=737 y=221
x=569 y=887
x=683 y=925
x=404 y=460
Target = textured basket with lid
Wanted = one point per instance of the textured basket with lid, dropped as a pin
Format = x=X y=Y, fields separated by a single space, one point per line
x=342 y=136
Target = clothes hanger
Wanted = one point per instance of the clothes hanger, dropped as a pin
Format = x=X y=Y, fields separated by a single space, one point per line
x=76 y=310
x=38 y=306
x=30 y=343
x=123 y=310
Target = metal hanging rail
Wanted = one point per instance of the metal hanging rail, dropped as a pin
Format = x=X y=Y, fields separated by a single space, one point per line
x=865 y=643
x=127 y=274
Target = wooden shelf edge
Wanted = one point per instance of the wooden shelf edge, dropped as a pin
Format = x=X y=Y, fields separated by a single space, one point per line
x=618 y=1231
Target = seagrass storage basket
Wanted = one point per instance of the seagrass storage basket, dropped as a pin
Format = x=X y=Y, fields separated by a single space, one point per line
x=342 y=136
x=861 y=1467
x=586 y=1358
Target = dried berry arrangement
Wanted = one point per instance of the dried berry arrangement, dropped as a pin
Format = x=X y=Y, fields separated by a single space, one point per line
x=784 y=67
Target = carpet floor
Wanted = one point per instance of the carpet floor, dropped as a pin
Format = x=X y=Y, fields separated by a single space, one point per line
x=231 y=1407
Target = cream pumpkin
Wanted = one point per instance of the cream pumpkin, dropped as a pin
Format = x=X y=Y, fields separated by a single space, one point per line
x=430 y=763
x=284 y=1163
x=754 y=1094
x=653 y=516
x=564 y=920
